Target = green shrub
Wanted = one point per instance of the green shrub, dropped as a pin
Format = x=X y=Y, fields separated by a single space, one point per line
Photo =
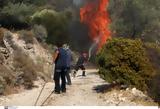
x=125 y=61
x=153 y=50
x=56 y=24
x=16 y=15
x=154 y=88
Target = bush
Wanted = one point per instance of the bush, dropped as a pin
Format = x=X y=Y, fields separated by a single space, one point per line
x=16 y=15
x=27 y=36
x=154 y=88
x=6 y=78
x=135 y=18
x=125 y=61
x=40 y=33
x=56 y=24
x=154 y=55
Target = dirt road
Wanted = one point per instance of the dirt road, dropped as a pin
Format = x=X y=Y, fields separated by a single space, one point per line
x=82 y=92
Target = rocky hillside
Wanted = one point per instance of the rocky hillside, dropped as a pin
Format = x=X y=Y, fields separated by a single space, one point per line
x=22 y=60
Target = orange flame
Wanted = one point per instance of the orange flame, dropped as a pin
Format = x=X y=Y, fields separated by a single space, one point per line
x=96 y=17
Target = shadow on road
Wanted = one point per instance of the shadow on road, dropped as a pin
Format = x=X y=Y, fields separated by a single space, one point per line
x=105 y=88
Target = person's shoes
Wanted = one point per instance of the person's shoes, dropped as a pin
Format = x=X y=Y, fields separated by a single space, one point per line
x=63 y=91
x=69 y=83
x=56 y=92
x=84 y=75
x=74 y=74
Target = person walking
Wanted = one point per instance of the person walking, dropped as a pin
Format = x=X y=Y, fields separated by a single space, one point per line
x=80 y=64
x=60 y=61
x=69 y=60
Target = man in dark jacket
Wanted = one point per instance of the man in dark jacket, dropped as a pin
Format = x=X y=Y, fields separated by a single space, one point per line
x=69 y=60
x=60 y=61
x=80 y=64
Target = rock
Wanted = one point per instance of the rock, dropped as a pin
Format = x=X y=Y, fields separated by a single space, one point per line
x=137 y=93
x=127 y=89
x=28 y=46
x=122 y=99
x=124 y=86
x=3 y=50
x=4 y=53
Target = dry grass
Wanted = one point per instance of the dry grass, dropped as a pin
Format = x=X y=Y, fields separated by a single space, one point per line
x=24 y=63
x=27 y=36
x=9 y=91
x=1 y=59
x=1 y=35
x=6 y=78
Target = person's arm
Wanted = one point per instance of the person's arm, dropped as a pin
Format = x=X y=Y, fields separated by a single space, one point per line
x=85 y=60
x=55 y=55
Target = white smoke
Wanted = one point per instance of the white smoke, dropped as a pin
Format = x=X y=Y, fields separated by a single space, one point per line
x=94 y=46
x=80 y=3
x=77 y=2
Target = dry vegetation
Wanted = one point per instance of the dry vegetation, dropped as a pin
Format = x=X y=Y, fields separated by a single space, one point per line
x=27 y=36
x=1 y=36
x=23 y=63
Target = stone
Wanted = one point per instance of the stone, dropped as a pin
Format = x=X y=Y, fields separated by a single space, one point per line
x=28 y=46
x=137 y=93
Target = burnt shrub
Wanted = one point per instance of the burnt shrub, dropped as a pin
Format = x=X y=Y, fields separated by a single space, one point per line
x=125 y=61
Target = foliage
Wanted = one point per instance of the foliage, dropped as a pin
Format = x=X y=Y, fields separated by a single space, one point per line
x=35 y=2
x=40 y=33
x=16 y=15
x=135 y=18
x=154 y=55
x=62 y=4
x=125 y=61
x=55 y=23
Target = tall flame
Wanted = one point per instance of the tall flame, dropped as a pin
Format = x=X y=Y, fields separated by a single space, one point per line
x=96 y=17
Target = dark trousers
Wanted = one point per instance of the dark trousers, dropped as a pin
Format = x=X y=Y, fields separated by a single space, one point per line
x=77 y=67
x=68 y=78
x=60 y=74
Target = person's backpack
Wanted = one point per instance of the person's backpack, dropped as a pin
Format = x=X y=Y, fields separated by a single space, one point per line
x=61 y=61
